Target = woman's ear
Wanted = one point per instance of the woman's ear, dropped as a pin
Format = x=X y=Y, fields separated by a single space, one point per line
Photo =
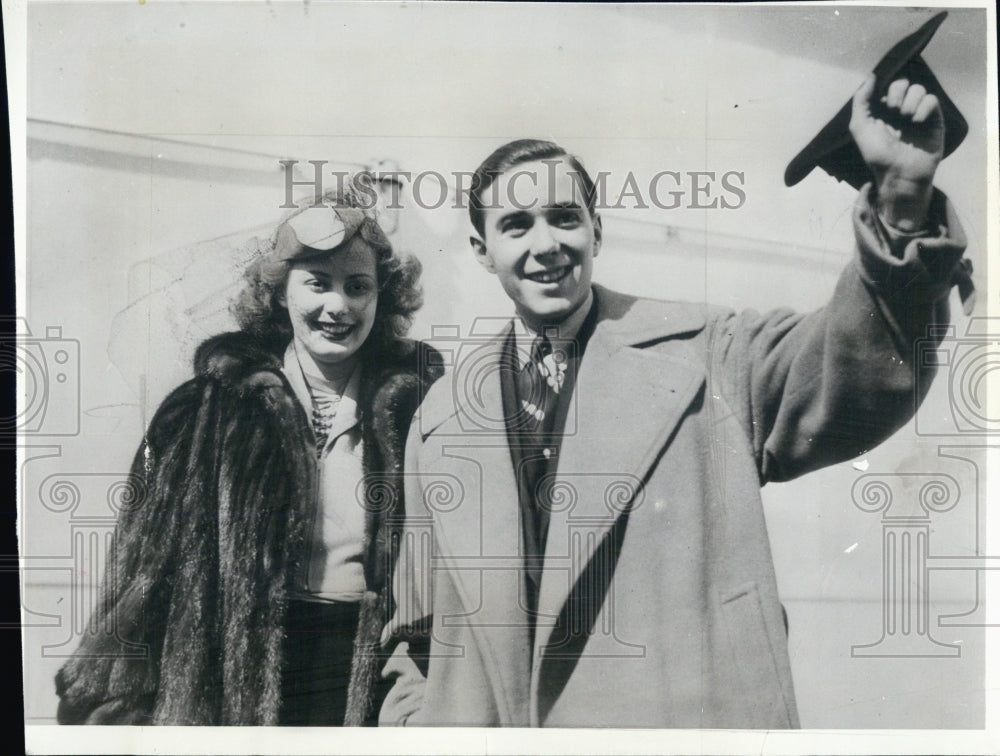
x=280 y=298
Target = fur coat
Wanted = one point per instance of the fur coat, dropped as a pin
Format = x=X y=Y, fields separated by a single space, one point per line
x=189 y=625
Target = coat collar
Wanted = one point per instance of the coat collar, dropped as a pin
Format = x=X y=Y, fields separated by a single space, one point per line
x=633 y=320
x=625 y=408
x=622 y=320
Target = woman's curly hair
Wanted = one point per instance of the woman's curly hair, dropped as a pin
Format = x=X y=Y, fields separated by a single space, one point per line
x=259 y=313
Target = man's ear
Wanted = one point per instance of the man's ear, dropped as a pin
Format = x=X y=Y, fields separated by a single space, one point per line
x=479 y=250
x=281 y=299
x=598 y=233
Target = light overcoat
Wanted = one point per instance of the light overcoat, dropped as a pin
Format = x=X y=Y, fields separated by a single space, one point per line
x=658 y=605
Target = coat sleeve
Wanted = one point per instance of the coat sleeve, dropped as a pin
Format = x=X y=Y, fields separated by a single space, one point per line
x=406 y=639
x=812 y=390
x=395 y=398
x=112 y=677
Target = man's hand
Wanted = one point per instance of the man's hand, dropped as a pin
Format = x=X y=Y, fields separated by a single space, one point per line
x=901 y=139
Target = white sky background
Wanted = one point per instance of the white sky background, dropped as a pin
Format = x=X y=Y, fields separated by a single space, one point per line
x=437 y=86
x=628 y=88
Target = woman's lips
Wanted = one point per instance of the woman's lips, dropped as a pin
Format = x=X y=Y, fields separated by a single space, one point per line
x=335 y=331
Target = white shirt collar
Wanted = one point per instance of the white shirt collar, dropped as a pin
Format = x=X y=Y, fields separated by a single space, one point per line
x=348 y=410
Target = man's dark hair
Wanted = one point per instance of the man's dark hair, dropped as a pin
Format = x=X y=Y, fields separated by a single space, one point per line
x=514 y=153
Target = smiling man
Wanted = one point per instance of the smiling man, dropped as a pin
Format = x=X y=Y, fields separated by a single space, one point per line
x=601 y=557
x=542 y=245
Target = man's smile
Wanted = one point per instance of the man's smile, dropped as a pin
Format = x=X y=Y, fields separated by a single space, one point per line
x=550 y=275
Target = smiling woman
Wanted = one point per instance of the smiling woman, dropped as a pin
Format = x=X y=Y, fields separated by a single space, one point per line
x=253 y=566
x=331 y=302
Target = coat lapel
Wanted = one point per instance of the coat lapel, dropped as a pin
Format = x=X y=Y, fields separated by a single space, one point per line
x=479 y=533
x=625 y=408
x=626 y=405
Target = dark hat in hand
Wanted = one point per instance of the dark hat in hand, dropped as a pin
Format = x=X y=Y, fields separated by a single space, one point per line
x=833 y=149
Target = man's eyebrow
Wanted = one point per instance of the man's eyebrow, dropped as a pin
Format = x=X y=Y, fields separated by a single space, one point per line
x=567 y=205
x=512 y=215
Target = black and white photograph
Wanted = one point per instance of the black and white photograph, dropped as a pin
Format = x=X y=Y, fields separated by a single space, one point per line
x=453 y=377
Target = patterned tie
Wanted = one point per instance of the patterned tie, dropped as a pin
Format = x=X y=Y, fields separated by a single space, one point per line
x=538 y=386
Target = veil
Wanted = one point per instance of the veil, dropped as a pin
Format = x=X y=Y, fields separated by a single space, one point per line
x=177 y=299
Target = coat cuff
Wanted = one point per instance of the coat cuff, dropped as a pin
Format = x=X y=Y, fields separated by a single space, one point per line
x=924 y=265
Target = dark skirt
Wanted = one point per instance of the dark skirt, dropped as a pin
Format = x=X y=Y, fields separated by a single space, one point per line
x=316 y=671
